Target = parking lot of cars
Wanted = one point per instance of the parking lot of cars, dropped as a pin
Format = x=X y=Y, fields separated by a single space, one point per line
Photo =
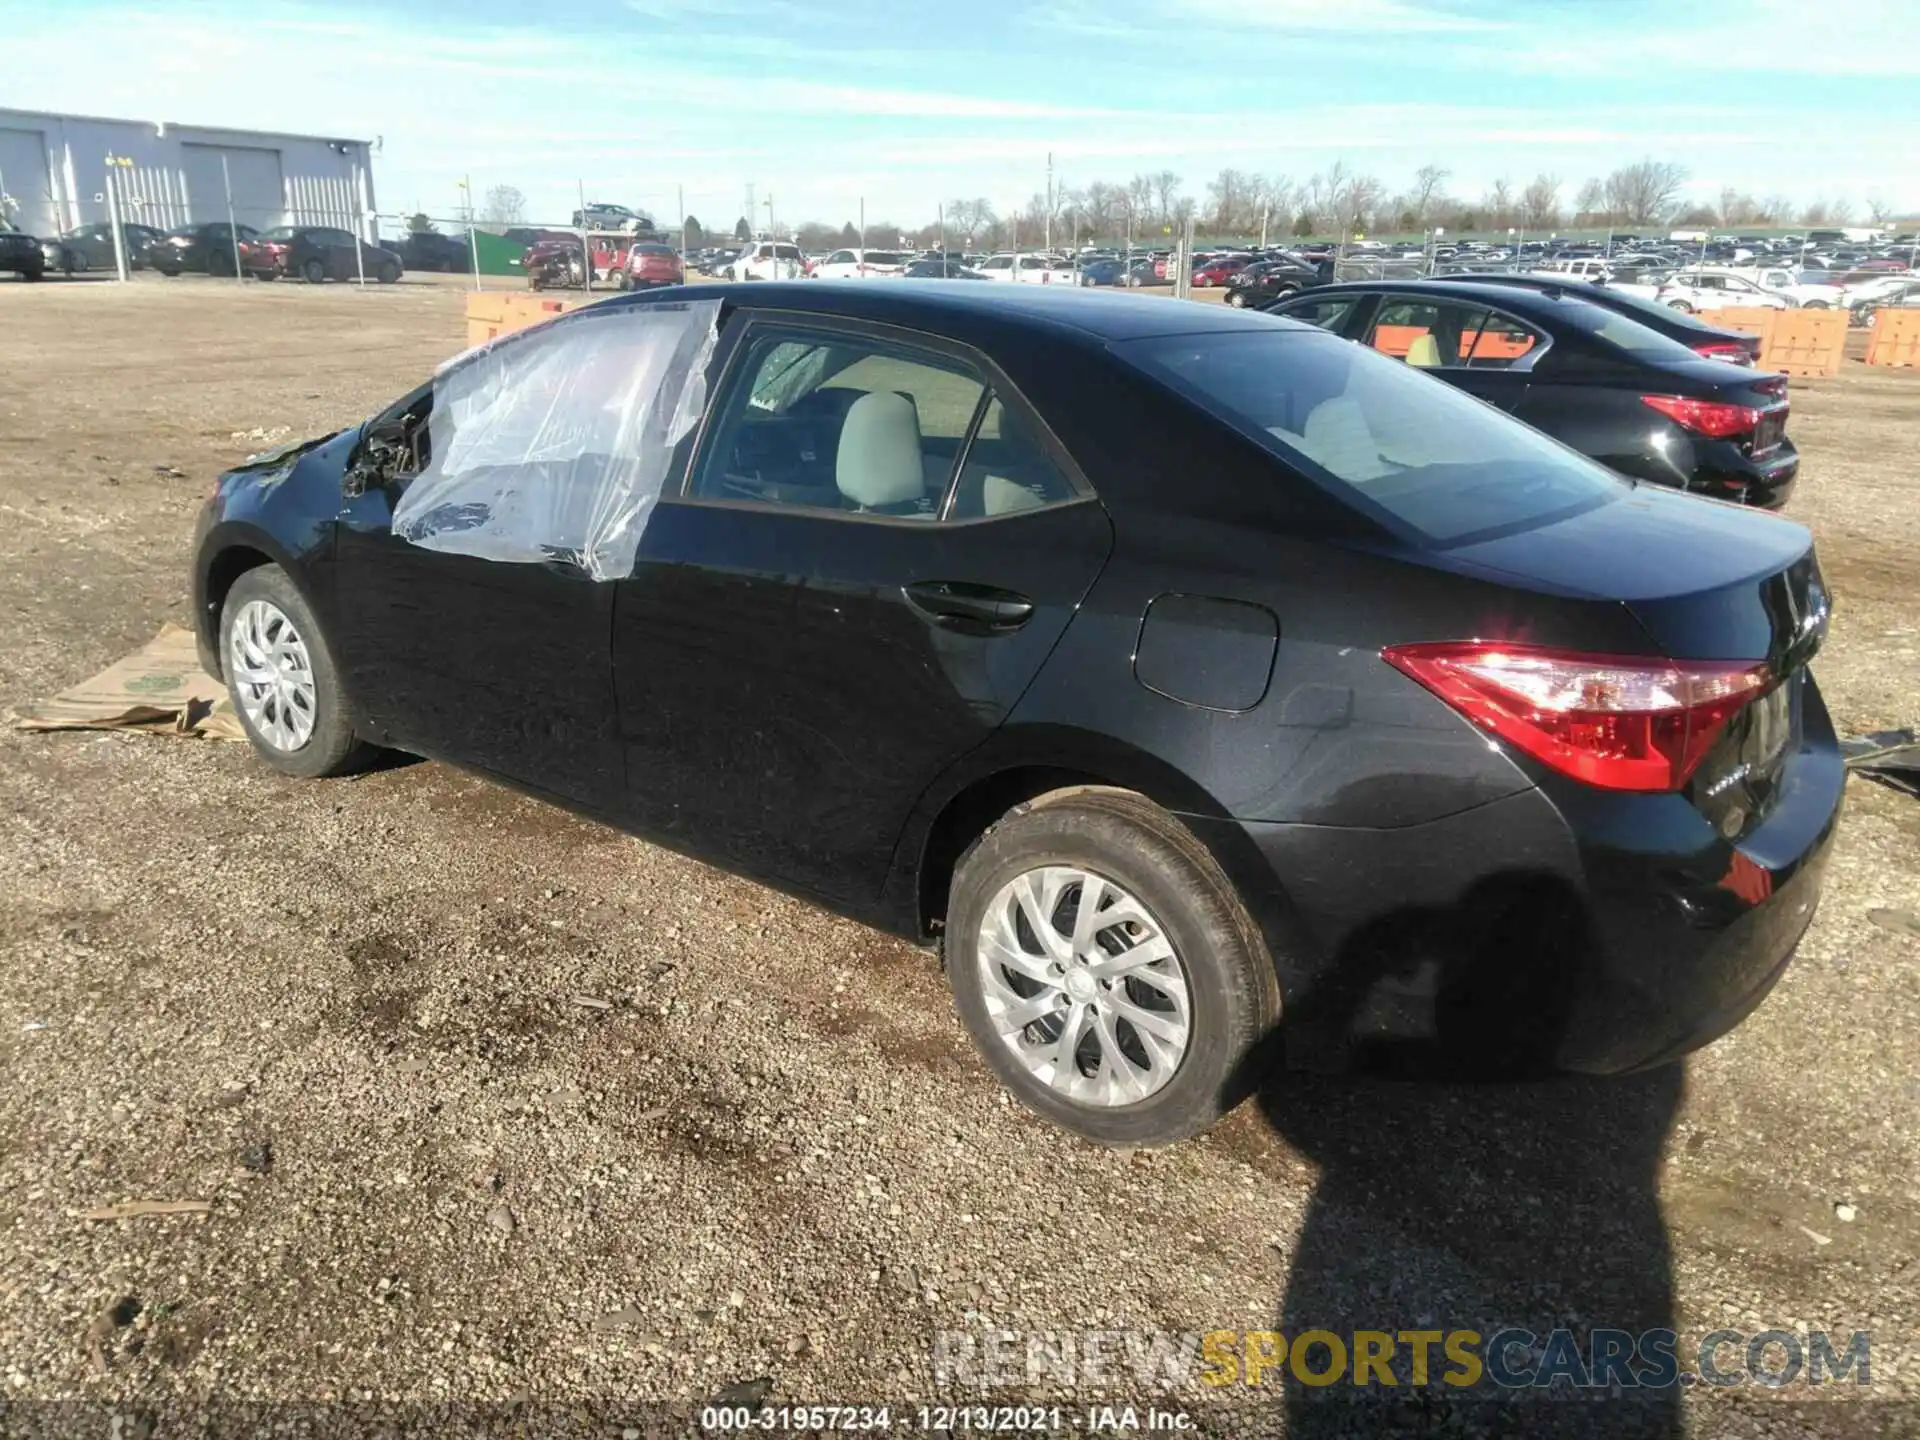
x=488 y=1100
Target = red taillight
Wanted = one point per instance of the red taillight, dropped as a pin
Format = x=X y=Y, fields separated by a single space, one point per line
x=1730 y=351
x=1618 y=722
x=1705 y=417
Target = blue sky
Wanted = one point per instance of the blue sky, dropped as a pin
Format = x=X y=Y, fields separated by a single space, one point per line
x=824 y=102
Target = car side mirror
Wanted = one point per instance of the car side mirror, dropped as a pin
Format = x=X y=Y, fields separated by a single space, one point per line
x=383 y=443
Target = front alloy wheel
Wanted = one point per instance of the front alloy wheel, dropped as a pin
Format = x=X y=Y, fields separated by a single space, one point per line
x=272 y=675
x=1083 y=986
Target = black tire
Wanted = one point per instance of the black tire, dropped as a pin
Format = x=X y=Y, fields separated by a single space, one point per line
x=220 y=263
x=314 y=272
x=265 y=275
x=1237 y=299
x=1682 y=306
x=170 y=274
x=1234 y=992
x=388 y=273
x=31 y=275
x=332 y=748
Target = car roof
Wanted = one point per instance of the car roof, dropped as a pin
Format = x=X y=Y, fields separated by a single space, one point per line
x=1522 y=298
x=1064 y=310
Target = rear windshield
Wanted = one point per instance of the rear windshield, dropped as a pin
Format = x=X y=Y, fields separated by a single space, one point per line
x=1407 y=447
x=1623 y=332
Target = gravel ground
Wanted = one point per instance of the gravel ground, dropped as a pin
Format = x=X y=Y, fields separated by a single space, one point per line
x=497 y=1107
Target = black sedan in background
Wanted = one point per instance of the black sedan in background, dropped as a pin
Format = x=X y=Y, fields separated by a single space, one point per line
x=316 y=254
x=207 y=248
x=1207 y=685
x=939 y=267
x=1690 y=330
x=430 y=250
x=1266 y=282
x=1639 y=403
x=21 y=253
x=90 y=247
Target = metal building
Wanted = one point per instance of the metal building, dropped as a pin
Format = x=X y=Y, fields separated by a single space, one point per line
x=54 y=173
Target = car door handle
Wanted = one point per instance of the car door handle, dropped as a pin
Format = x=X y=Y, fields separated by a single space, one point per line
x=960 y=605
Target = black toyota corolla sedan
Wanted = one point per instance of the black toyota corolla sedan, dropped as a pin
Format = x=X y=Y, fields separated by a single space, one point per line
x=1638 y=402
x=1209 y=687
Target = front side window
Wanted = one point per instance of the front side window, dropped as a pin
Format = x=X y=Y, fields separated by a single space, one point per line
x=840 y=422
x=1328 y=314
x=1426 y=458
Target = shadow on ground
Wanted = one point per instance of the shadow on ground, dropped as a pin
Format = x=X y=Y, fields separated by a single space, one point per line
x=1450 y=1199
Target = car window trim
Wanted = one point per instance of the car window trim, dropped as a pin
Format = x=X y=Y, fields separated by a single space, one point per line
x=736 y=338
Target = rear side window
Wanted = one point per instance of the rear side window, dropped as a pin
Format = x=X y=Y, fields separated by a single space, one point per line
x=1006 y=470
x=1425 y=458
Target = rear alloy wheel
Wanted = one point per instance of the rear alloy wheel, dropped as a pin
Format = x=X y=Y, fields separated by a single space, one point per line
x=1682 y=306
x=1106 y=969
x=314 y=272
x=1237 y=299
x=282 y=678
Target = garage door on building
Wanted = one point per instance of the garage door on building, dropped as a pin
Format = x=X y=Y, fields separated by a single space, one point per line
x=26 y=181
x=259 y=198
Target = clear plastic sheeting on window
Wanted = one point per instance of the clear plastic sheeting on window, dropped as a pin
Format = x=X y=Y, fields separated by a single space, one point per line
x=553 y=444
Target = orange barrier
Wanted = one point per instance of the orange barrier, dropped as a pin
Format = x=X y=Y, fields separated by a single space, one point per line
x=491 y=313
x=1896 y=338
x=1792 y=342
x=1755 y=321
x=1805 y=342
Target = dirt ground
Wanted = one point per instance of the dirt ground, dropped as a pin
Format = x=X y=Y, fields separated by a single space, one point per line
x=347 y=1015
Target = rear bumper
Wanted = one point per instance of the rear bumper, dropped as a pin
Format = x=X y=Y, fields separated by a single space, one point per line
x=1557 y=929
x=1725 y=474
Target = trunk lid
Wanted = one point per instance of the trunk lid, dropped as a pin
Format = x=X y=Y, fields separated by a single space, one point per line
x=1705 y=581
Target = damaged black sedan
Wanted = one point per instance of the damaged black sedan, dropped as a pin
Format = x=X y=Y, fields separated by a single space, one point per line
x=1212 y=689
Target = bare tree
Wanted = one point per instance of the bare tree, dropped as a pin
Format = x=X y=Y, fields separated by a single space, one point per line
x=505 y=207
x=1498 y=204
x=1591 y=203
x=1427 y=183
x=1230 y=195
x=1880 y=210
x=1841 y=211
x=1776 y=209
x=1140 y=203
x=974 y=219
x=1643 y=193
x=1540 y=203
x=1166 y=194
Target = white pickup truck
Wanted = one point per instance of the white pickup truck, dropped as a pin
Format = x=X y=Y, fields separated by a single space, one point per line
x=1028 y=269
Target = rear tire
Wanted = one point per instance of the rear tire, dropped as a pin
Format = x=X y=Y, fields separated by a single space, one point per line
x=220 y=264
x=1237 y=299
x=1194 y=1015
x=388 y=273
x=1682 y=306
x=297 y=717
x=314 y=272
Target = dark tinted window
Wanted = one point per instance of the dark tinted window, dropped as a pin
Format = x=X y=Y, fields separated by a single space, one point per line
x=1328 y=314
x=1397 y=442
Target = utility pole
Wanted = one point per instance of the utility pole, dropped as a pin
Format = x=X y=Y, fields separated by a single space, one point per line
x=1048 y=239
x=680 y=198
x=116 y=163
x=233 y=235
x=473 y=235
x=753 y=211
x=1263 y=225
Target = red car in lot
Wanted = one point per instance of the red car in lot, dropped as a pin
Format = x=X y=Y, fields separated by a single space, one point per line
x=648 y=265
x=1218 y=272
